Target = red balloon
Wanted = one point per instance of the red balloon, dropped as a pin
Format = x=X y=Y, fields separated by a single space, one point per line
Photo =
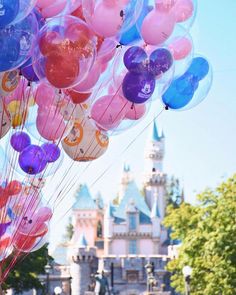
x=49 y=42
x=14 y=187
x=79 y=13
x=61 y=71
x=77 y=97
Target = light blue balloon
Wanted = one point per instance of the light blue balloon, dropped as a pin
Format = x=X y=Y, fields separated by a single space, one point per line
x=133 y=34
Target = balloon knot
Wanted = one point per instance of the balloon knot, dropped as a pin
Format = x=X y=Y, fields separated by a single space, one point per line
x=166 y=107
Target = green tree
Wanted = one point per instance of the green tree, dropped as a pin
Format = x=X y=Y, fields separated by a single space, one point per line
x=24 y=276
x=69 y=231
x=175 y=195
x=208 y=235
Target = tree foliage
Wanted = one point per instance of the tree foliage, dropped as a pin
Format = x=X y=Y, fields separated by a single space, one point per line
x=24 y=276
x=69 y=231
x=174 y=192
x=208 y=235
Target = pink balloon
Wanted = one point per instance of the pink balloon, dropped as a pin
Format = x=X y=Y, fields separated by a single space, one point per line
x=107 y=51
x=180 y=48
x=19 y=93
x=44 y=3
x=183 y=10
x=44 y=95
x=56 y=7
x=136 y=112
x=165 y=5
x=44 y=214
x=157 y=27
x=88 y=83
x=106 y=20
x=50 y=124
x=108 y=111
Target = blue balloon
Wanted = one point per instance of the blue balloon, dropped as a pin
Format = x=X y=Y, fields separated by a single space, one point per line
x=133 y=34
x=10 y=50
x=9 y=9
x=199 y=68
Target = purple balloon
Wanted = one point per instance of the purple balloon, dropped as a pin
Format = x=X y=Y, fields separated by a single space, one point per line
x=52 y=152
x=134 y=59
x=33 y=159
x=3 y=228
x=29 y=73
x=19 y=141
x=160 y=61
x=138 y=87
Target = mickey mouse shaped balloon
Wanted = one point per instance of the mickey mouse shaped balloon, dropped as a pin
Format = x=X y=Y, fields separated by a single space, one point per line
x=31 y=228
x=33 y=158
x=139 y=83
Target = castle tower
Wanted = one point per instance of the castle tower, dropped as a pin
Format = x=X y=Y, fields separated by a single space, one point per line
x=83 y=264
x=156 y=225
x=154 y=178
x=125 y=180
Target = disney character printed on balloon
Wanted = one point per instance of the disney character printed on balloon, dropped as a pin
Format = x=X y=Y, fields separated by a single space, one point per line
x=139 y=83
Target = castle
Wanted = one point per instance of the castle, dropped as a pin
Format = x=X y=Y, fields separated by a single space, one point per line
x=121 y=237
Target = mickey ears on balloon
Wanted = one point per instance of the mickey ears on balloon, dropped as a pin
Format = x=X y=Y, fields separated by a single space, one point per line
x=134 y=59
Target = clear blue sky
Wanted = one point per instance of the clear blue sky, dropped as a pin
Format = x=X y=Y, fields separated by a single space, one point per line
x=200 y=143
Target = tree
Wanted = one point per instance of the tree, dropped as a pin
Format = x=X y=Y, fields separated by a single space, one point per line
x=208 y=235
x=24 y=276
x=175 y=194
x=69 y=231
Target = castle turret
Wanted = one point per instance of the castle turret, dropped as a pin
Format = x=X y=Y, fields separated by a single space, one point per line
x=108 y=228
x=156 y=225
x=125 y=180
x=154 y=178
x=83 y=264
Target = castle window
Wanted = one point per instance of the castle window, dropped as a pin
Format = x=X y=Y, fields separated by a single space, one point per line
x=99 y=229
x=132 y=222
x=133 y=247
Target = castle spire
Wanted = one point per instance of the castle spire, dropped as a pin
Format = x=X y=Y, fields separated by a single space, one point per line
x=155 y=134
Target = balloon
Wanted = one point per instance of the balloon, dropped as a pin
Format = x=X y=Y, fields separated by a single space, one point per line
x=52 y=152
x=44 y=95
x=136 y=112
x=183 y=10
x=157 y=27
x=180 y=48
x=77 y=97
x=50 y=124
x=107 y=19
x=133 y=34
x=138 y=87
x=199 y=68
x=65 y=52
x=108 y=111
x=160 y=61
x=85 y=142
x=14 y=187
x=191 y=88
x=8 y=82
x=29 y=73
x=165 y=5
x=135 y=58
x=5 y=120
x=16 y=47
x=51 y=8
x=33 y=159
x=20 y=140
x=8 y=11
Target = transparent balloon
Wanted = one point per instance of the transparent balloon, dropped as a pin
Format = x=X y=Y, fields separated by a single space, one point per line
x=65 y=52
x=54 y=8
x=111 y=18
x=191 y=88
x=181 y=46
x=17 y=43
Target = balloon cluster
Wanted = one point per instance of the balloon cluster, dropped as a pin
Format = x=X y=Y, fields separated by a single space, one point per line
x=74 y=73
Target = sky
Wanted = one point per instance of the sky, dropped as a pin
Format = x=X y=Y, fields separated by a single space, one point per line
x=200 y=143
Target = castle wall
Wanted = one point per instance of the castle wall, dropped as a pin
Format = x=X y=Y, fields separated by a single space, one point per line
x=146 y=247
x=119 y=247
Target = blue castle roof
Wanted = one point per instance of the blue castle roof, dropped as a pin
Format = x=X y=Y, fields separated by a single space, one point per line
x=155 y=134
x=84 y=199
x=155 y=210
x=82 y=242
x=132 y=193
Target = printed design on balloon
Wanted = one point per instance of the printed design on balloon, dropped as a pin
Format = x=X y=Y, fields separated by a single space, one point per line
x=76 y=135
x=102 y=139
